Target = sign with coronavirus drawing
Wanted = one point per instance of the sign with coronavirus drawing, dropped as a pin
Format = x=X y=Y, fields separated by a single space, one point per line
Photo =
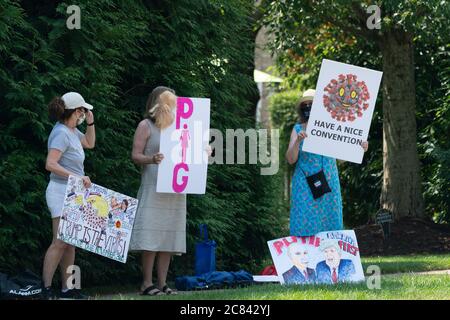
x=184 y=145
x=97 y=219
x=342 y=111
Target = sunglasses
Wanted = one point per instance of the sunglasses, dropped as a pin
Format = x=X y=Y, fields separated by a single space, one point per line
x=84 y=110
x=305 y=104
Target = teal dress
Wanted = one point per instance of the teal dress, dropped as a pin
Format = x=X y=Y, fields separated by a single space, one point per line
x=309 y=216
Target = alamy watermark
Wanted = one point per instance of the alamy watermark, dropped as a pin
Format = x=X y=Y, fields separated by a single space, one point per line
x=373 y=280
x=74 y=20
x=252 y=146
x=74 y=280
x=374 y=21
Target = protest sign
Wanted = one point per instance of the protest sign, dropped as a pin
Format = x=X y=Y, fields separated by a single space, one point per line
x=342 y=111
x=97 y=219
x=184 y=146
x=326 y=258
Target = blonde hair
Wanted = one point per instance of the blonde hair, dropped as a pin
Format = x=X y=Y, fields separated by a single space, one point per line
x=160 y=105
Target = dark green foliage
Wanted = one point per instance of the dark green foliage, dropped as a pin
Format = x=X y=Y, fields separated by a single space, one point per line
x=122 y=51
x=436 y=130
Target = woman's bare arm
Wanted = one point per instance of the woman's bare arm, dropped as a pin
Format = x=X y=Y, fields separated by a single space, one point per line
x=140 y=140
x=294 y=144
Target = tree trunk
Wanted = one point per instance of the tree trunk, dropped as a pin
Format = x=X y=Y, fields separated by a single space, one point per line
x=401 y=190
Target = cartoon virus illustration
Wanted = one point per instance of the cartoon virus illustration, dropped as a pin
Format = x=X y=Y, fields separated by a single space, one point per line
x=95 y=211
x=99 y=203
x=346 y=98
x=92 y=219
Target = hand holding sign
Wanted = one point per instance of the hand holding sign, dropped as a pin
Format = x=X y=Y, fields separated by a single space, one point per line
x=86 y=181
x=301 y=135
x=157 y=158
x=208 y=150
x=365 y=146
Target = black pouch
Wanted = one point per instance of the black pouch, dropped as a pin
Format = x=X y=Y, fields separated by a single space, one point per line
x=318 y=183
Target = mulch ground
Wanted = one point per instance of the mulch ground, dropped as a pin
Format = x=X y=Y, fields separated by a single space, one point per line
x=408 y=236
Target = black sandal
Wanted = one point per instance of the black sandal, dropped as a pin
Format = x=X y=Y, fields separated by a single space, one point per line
x=169 y=291
x=152 y=291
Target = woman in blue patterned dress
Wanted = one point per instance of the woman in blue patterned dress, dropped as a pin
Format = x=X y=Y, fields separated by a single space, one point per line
x=308 y=215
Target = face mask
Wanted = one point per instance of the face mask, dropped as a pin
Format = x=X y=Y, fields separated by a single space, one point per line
x=306 y=111
x=81 y=119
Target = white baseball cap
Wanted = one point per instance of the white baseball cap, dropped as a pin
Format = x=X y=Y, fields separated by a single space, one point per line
x=308 y=95
x=74 y=100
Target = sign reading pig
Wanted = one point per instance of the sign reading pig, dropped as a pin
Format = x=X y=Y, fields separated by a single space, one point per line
x=184 y=145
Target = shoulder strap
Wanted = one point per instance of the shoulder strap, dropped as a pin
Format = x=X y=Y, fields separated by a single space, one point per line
x=149 y=123
x=299 y=165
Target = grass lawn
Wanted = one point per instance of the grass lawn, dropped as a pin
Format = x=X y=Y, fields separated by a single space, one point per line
x=402 y=264
x=405 y=286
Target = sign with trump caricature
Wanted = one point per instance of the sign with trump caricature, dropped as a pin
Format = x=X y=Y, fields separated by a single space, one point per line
x=328 y=257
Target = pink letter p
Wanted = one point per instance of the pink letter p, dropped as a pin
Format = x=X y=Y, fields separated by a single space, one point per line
x=181 y=113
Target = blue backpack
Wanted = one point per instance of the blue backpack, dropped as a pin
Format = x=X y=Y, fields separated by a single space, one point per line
x=205 y=253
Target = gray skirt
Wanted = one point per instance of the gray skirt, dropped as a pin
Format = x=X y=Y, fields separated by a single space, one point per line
x=160 y=223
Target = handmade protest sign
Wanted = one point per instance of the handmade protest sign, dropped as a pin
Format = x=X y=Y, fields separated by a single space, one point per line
x=184 y=146
x=328 y=257
x=342 y=110
x=97 y=219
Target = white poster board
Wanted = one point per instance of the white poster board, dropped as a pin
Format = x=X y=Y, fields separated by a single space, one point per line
x=97 y=219
x=184 y=146
x=342 y=111
x=328 y=257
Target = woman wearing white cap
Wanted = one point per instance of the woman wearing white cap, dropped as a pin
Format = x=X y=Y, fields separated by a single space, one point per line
x=316 y=203
x=65 y=157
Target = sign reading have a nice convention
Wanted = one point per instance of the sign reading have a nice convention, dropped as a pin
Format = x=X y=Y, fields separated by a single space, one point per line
x=97 y=219
x=342 y=110
x=184 y=145
x=328 y=257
